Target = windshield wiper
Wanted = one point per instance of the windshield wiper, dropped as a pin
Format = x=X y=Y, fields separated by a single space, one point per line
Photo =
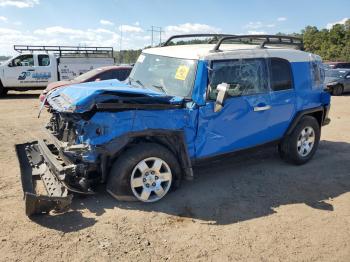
x=162 y=88
x=136 y=81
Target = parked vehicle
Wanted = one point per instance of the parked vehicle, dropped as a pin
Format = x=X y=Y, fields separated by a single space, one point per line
x=182 y=104
x=37 y=66
x=338 y=65
x=99 y=74
x=338 y=81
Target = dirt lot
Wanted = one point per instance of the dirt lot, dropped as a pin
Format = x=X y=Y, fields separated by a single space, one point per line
x=250 y=208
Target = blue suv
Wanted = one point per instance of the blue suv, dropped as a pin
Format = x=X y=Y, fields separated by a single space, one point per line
x=183 y=103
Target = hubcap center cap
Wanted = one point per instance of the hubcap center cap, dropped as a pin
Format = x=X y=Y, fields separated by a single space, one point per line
x=150 y=178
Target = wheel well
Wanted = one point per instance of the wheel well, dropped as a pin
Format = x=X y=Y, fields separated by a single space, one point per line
x=173 y=141
x=318 y=115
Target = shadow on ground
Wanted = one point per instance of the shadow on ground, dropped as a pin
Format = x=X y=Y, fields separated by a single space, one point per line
x=20 y=95
x=244 y=187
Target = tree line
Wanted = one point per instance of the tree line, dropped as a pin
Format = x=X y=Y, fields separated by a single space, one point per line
x=331 y=44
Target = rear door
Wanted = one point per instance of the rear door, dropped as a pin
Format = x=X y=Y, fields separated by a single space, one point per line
x=244 y=120
x=282 y=96
x=45 y=70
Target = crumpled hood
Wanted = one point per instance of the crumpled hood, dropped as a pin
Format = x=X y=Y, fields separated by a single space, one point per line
x=80 y=98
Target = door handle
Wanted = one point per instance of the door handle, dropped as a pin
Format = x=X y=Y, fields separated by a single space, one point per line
x=261 y=108
x=30 y=70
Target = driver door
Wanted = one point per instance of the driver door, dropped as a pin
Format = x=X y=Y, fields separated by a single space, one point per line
x=244 y=117
x=19 y=71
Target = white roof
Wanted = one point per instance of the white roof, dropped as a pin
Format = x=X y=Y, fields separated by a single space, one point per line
x=230 y=51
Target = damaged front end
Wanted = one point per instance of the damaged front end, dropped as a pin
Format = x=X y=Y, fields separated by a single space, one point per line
x=49 y=173
x=70 y=160
x=34 y=169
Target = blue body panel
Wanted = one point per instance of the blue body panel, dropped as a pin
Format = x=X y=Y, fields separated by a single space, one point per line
x=236 y=126
x=207 y=133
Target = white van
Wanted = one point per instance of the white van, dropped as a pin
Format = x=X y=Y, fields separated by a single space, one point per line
x=37 y=66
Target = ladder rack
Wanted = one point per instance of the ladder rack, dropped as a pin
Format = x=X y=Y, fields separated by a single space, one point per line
x=67 y=50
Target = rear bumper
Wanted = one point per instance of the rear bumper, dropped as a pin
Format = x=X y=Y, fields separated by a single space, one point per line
x=38 y=163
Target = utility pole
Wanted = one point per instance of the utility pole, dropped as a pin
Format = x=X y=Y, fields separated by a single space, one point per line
x=156 y=29
x=121 y=39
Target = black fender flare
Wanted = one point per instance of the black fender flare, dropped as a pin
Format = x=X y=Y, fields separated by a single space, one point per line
x=321 y=110
x=174 y=140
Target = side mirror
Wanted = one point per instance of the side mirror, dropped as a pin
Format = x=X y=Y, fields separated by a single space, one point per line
x=10 y=64
x=222 y=90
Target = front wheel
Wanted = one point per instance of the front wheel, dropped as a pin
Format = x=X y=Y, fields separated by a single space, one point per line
x=145 y=172
x=300 y=146
x=3 y=90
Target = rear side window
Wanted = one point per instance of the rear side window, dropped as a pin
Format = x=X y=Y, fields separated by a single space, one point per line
x=121 y=74
x=280 y=74
x=317 y=73
x=124 y=74
x=105 y=75
x=44 y=60
x=344 y=65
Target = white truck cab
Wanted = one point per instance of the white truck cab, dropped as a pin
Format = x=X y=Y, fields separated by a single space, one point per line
x=37 y=66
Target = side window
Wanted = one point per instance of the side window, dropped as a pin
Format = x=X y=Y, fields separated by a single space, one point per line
x=23 y=60
x=122 y=74
x=43 y=60
x=280 y=74
x=244 y=76
x=126 y=73
x=117 y=74
x=105 y=75
x=317 y=73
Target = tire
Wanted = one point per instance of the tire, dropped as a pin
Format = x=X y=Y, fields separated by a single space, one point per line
x=296 y=148
x=126 y=181
x=338 y=90
x=3 y=90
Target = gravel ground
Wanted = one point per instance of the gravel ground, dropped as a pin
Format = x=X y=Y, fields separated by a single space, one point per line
x=252 y=207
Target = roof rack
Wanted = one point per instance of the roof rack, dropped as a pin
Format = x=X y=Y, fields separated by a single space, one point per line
x=263 y=40
x=67 y=50
x=215 y=37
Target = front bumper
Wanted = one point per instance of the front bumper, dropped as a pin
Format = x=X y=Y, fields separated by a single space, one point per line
x=38 y=163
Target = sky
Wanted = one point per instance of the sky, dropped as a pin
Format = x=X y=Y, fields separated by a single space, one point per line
x=126 y=23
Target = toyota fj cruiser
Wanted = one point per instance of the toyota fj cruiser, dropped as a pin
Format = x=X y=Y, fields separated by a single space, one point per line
x=181 y=104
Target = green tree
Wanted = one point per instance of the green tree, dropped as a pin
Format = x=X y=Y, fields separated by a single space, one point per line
x=332 y=44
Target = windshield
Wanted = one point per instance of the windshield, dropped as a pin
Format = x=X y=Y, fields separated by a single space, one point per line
x=173 y=76
x=88 y=75
x=336 y=73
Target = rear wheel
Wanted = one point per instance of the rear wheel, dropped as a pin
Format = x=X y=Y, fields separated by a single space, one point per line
x=145 y=172
x=337 y=90
x=300 y=146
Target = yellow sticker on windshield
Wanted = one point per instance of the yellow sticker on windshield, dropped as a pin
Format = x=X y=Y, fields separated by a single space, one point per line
x=182 y=72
